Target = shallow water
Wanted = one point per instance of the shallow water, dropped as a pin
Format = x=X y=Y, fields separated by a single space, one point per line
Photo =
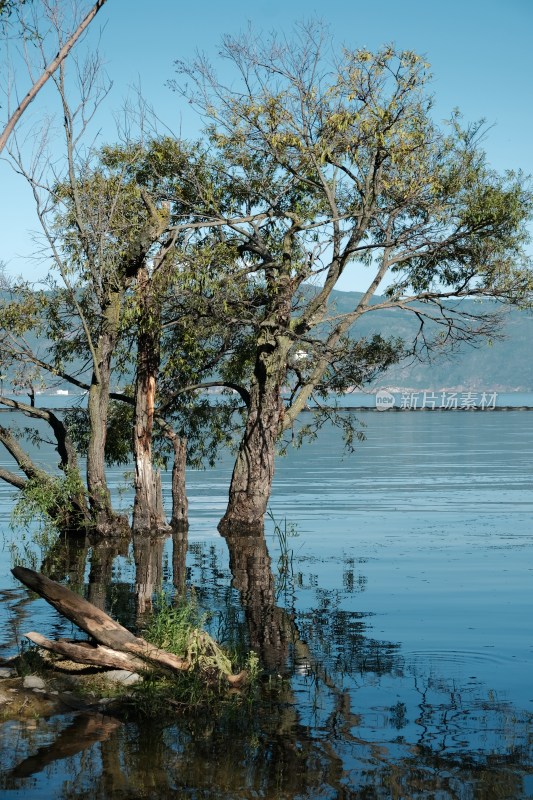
x=403 y=625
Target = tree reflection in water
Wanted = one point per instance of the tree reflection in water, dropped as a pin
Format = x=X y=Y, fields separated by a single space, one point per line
x=318 y=731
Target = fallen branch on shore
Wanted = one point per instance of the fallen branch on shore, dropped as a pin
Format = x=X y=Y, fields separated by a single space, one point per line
x=113 y=645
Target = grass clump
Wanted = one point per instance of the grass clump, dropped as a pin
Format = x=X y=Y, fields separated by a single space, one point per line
x=178 y=627
x=172 y=623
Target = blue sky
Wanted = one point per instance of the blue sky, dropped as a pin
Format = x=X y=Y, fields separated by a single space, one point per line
x=480 y=53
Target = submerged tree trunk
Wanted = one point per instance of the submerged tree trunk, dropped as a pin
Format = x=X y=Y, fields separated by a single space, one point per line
x=180 y=503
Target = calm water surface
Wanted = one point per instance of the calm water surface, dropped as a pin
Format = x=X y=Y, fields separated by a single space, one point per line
x=403 y=627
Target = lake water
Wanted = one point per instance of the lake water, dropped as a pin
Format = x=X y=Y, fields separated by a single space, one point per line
x=402 y=621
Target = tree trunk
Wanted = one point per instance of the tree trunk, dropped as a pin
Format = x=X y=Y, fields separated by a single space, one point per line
x=251 y=482
x=148 y=513
x=85 y=653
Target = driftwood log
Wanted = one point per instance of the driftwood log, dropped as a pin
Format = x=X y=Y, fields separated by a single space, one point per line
x=87 y=653
x=115 y=646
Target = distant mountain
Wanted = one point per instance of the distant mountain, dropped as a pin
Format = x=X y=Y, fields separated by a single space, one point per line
x=501 y=365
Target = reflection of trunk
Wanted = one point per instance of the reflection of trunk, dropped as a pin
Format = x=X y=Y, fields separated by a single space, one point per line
x=251 y=482
x=148 y=508
x=83 y=732
x=148 y=556
x=101 y=570
x=137 y=764
x=66 y=559
x=98 y=407
x=268 y=625
x=115 y=779
x=179 y=559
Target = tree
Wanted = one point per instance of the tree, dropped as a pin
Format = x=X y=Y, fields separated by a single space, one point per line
x=124 y=310
x=65 y=43
x=337 y=166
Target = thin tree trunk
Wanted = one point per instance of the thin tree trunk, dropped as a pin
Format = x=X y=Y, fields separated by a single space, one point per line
x=99 y=494
x=180 y=503
x=70 y=516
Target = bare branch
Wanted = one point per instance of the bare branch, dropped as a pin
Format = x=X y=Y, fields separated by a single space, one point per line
x=47 y=73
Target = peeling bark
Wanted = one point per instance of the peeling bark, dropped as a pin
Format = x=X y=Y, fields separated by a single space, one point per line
x=148 y=514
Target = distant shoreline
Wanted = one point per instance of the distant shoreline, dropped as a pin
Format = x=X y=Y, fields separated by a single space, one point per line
x=393 y=409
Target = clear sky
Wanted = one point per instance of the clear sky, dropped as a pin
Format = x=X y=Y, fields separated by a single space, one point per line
x=480 y=53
